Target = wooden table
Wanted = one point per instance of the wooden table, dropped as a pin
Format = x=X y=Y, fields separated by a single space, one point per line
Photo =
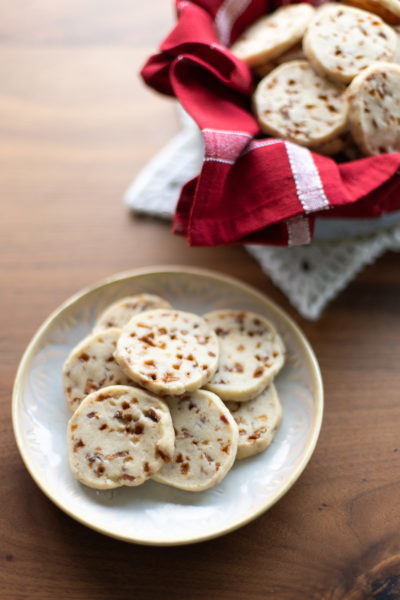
x=76 y=126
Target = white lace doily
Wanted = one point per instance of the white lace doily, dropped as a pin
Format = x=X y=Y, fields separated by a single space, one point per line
x=311 y=275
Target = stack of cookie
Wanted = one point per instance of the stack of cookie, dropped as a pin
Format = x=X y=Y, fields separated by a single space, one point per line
x=330 y=77
x=165 y=394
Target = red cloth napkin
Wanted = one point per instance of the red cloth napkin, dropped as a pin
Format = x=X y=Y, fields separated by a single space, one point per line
x=252 y=188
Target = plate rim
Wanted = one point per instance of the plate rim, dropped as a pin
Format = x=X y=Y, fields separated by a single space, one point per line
x=153 y=270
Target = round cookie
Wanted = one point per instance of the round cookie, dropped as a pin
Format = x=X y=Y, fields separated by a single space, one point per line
x=295 y=103
x=119 y=435
x=396 y=57
x=295 y=53
x=389 y=10
x=273 y=34
x=90 y=366
x=252 y=353
x=341 y=41
x=257 y=420
x=119 y=313
x=167 y=351
x=374 y=115
x=206 y=439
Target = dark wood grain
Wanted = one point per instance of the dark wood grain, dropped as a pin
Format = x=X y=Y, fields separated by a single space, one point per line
x=76 y=125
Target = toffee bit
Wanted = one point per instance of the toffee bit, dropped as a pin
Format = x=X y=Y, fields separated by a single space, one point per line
x=128 y=477
x=151 y=414
x=78 y=445
x=258 y=372
x=90 y=386
x=184 y=468
x=120 y=454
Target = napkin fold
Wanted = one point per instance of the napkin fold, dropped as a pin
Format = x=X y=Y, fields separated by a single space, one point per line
x=310 y=275
x=252 y=189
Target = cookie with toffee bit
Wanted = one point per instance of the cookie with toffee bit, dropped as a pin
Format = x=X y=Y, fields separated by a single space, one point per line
x=169 y=352
x=374 y=115
x=119 y=435
x=273 y=34
x=251 y=354
x=119 y=313
x=91 y=365
x=295 y=103
x=257 y=420
x=342 y=40
x=206 y=438
x=388 y=10
x=295 y=53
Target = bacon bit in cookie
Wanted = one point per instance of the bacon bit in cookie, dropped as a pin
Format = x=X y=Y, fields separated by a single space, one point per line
x=151 y=414
x=208 y=457
x=226 y=448
x=110 y=359
x=128 y=459
x=212 y=354
x=128 y=477
x=176 y=367
x=138 y=429
x=184 y=468
x=91 y=386
x=78 y=445
x=84 y=357
x=125 y=405
x=179 y=458
x=238 y=367
x=146 y=467
x=186 y=433
x=191 y=405
x=150 y=363
x=162 y=331
x=73 y=427
x=242 y=432
x=91 y=415
x=103 y=427
x=224 y=419
x=258 y=372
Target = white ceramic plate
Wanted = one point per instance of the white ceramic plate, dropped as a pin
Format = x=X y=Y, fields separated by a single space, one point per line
x=153 y=513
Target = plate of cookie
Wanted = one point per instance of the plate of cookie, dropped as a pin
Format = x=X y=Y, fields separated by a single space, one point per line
x=167 y=405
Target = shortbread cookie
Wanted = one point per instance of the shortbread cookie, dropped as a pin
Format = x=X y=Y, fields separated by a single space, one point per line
x=295 y=103
x=341 y=41
x=374 y=115
x=295 y=53
x=119 y=313
x=206 y=439
x=252 y=353
x=396 y=57
x=119 y=435
x=389 y=10
x=257 y=420
x=273 y=34
x=91 y=365
x=331 y=148
x=168 y=351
